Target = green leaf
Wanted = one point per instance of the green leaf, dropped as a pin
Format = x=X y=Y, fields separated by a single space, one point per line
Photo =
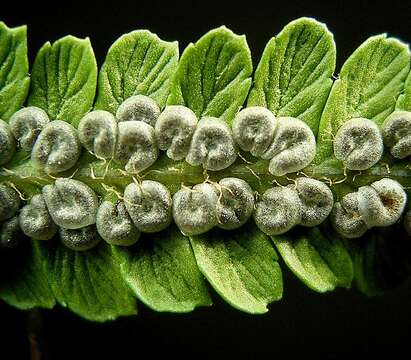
x=213 y=75
x=241 y=265
x=404 y=100
x=23 y=282
x=162 y=271
x=89 y=283
x=64 y=79
x=317 y=258
x=368 y=86
x=382 y=260
x=137 y=63
x=14 y=68
x=293 y=77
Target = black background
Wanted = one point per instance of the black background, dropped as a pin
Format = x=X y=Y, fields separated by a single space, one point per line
x=303 y=323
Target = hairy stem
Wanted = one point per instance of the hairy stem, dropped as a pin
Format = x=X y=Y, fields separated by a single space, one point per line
x=105 y=176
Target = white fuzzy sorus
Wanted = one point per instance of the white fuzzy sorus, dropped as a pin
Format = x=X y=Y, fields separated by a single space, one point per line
x=396 y=131
x=346 y=218
x=138 y=108
x=115 y=225
x=253 y=129
x=35 y=220
x=381 y=203
x=97 y=131
x=137 y=147
x=194 y=210
x=7 y=143
x=81 y=239
x=9 y=202
x=174 y=130
x=26 y=125
x=358 y=144
x=278 y=210
x=57 y=148
x=71 y=203
x=292 y=148
x=212 y=145
x=149 y=205
x=316 y=201
x=235 y=203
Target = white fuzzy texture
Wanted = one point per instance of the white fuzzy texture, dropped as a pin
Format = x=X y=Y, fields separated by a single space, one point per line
x=382 y=203
x=71 y=203
x=174 y=130
x=9 y=202
x=316 y=201
x=35 y=220
x=396 y=131
x=115 y=225
x=293 y=147
x=7 y=143
x=235 y=203
x=81 y=239
x=358 y=144
x=57 y=148
x=149 y=205
x=346 y=218
x=212 y=145
x=97 y=131
x=194 y=210
x=253 y=129
x=137 y=147
x=138 y=108
x=26 y=125
x=278 y=210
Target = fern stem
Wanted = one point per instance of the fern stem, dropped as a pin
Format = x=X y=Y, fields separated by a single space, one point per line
x=35 y=334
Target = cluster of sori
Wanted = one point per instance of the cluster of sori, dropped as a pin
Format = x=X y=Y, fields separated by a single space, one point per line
x=379 y=204
x=287 y=142
x=72 y=209
x=308 y=203
x=359 y=144
x=68 y=207
x=133 y=138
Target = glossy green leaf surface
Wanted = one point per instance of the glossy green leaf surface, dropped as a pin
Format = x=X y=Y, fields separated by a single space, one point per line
x=242 y=267
x=64 y=79
x=137 y=63
x=213 y=75
x=293 y=77
x=14 y=69
x=318 y=259
x=404 y=100
x=368 y=86
x=89 y=283
x=162 y=271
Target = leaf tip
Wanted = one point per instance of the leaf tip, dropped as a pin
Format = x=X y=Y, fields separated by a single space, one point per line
x=309 y=21
x=16 y=30
x=225 y=31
